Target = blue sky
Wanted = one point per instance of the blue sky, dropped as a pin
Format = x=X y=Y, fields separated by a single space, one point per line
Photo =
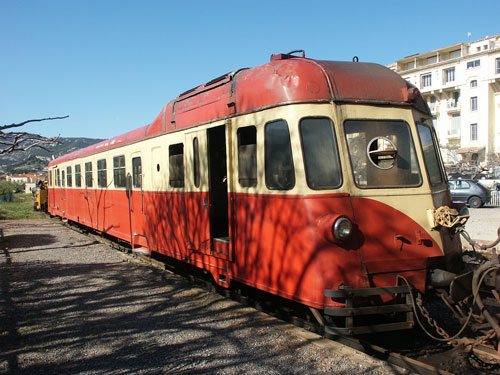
x=112 y=65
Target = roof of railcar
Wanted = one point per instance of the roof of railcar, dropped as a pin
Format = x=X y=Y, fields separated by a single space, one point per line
x=286 y=79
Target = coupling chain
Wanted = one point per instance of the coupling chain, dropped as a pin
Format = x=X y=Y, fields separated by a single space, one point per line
x=425 y=313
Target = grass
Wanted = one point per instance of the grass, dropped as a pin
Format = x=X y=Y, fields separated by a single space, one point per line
x=21 y=207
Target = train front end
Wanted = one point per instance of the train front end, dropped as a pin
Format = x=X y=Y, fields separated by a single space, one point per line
x=404 y=225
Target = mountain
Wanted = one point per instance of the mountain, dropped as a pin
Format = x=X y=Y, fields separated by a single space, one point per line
x=36 y=159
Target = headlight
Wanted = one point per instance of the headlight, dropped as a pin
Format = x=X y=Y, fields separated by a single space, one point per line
x=342 y=228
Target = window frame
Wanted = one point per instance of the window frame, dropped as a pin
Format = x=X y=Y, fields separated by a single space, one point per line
x=89 y=178
x=136 y=183
x=173 y=182
x=336 y=155
x=102 y=173
x=426 y=80
x=69 y=176
x=267 y=157
x=78 y=181
x=473 y=103
x=474 y=132
x=119 y=171
x=252 y=182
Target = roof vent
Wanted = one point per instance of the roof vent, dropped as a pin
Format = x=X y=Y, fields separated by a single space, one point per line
x=285 y=56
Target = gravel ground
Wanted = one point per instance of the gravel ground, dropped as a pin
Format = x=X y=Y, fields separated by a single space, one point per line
x=70 y=305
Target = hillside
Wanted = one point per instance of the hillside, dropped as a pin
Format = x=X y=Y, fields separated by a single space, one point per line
x=36 y=160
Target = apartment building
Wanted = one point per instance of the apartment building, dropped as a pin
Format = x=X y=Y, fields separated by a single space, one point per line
x=461 y=84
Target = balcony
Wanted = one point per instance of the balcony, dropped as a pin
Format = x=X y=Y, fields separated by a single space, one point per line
x=453 y=106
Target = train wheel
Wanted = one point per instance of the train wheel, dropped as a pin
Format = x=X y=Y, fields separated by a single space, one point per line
x=474 y=202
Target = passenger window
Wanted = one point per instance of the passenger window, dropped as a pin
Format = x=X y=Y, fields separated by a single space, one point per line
x=78 y=175
x=176 y=165
x=69 y=177
x=62 y=178
x=137 y=172
x=280 y=173
x=119 y=171
x=58 y=177
x=382 y=154
x=247 y=156
x=196 y=162
x=101 y=173
x=88 y=174
x=321 y=159
x=431 y=157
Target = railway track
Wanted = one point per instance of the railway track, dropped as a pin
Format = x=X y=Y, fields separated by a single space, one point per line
x=300 y=317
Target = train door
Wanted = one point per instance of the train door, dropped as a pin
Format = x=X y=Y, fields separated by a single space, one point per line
x=196 y=192
x=218 y=184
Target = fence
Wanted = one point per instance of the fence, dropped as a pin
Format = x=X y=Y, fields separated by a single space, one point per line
x=495 y=198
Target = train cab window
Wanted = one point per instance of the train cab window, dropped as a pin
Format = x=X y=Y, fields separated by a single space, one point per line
x=137 y=172
x=88 y=174
x=382 y=154
x=62 y=178
x=321 y=159
x=58 y=178
x=247 y=156
x=431 y=156
x=78 y=175
x=280 y=174
x=119 y=171
x=101 y=173
x=69 y=177
x=176 y=165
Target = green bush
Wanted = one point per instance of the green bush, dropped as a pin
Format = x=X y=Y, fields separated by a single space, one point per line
x=7 y=187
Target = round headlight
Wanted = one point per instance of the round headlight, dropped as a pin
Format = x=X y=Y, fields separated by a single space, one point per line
x=342 y=229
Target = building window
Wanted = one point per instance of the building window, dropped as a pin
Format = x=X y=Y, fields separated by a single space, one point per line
x=247 y=156
x=473 y=132
x=473 y=103
x=449 y=75
x=78 y=175
x=137 y=172
x=455 y=54
x=473 y=64
x=69 y=177
x=473 y=83
x=88 y=174
x=426 y=80
x=101 y=173
x=119 y=171
x=176 y=165
x=497 y=65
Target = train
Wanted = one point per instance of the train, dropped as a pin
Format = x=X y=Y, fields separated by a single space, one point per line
x=317 y=181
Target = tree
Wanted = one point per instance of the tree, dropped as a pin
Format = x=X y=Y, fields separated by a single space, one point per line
x=21 y=141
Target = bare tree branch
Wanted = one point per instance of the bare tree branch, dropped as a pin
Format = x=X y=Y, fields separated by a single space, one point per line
x=23 y=141
x=3 y=127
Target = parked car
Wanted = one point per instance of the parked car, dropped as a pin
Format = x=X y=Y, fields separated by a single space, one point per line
x=470 y=192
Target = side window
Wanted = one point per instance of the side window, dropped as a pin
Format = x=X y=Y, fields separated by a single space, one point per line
x=196 y=162
x=69 y=177
x=137 y=172
x=463 y=185
x=78 y=175
x=58 y=177
x=321 y=159
x=247 y=156
x=50 y=178
x=62 y=178
x=88 y=174
x=280 y=173
x=101 y=173
x=176 y=165
x=119 y=171
x=451 y=184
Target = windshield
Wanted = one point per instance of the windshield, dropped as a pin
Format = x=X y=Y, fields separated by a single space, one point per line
x=431 y=156
x=382 y=154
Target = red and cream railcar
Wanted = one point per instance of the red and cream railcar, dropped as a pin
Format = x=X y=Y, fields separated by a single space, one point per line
x=299 y=177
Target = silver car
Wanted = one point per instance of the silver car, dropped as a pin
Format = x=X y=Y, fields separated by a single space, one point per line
x=469 y=192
